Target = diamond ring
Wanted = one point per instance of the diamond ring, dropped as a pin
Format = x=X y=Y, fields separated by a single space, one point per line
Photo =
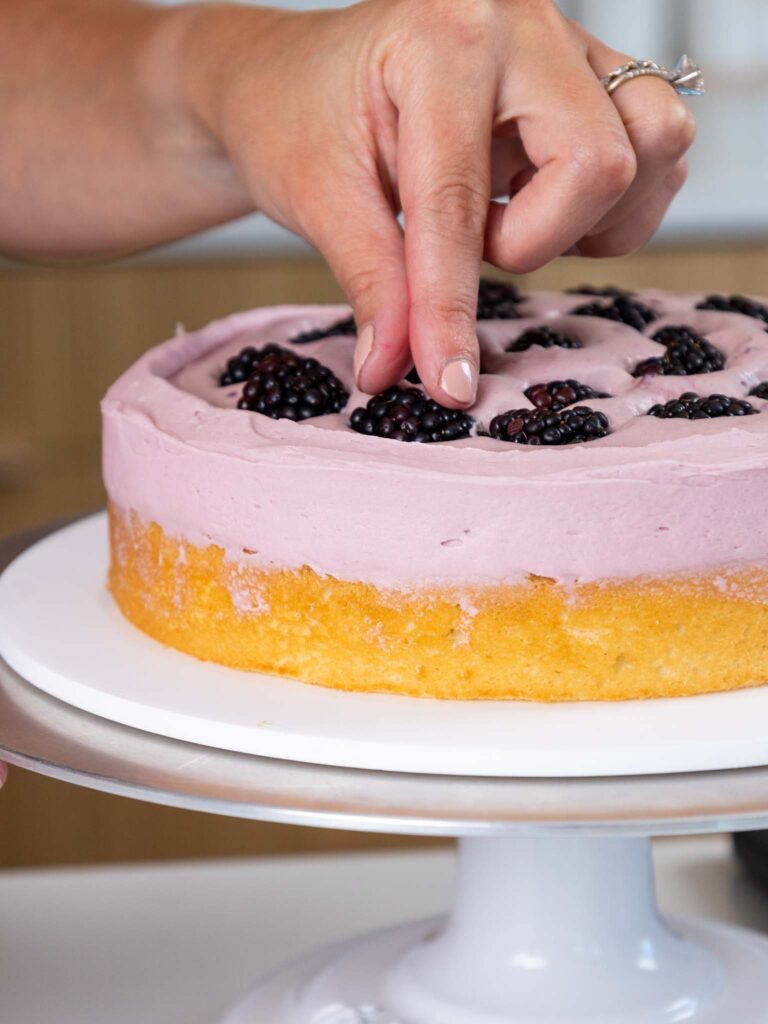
x=685 y=77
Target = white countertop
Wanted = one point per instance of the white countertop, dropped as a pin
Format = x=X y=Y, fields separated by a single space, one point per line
x=178 y=943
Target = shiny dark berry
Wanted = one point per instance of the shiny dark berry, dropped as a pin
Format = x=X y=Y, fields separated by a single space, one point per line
x=497 y=300
x=606 y=291
x=761 y=391
x=543 y=336
x=735 y=304
x=623 y=309
x=407 y=414
x=281 y=384
x=543 y=426
x=346 y=326
x=687 y=353
x=558 y=394
x=690 y=406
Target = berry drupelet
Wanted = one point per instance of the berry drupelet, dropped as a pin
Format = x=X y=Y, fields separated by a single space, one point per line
x=735 y=304
x=543 y=336
x=545 y=427
x=558 y=394
x=623 y=309
x=761 y=391
x=281 y=384
x=345 y=327
x=497 y=300
x=690 y=406
x=407 y=414
x=687 y=353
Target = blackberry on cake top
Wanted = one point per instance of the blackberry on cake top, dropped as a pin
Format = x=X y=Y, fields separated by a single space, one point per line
x=623 y=309
x=690 y=406
x=497 y=300
x=736 y=304
x=407 y=414
x=558 y=394
x=545 y=427
x=347 y=326
x=688 y=353
x=545 y=337
x=283 y=385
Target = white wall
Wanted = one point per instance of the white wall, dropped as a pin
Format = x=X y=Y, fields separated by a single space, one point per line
x=727 y=192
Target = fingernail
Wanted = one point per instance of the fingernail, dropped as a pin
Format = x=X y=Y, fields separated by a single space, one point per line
x=459 y=380
x=362 y=350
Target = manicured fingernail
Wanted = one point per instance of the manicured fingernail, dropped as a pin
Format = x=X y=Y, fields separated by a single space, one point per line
x=362 y=350
x=459 y=380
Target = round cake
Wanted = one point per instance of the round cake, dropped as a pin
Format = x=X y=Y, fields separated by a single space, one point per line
x=594 y=528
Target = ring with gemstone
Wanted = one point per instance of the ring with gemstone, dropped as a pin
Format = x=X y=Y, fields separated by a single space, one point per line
x=685 y=76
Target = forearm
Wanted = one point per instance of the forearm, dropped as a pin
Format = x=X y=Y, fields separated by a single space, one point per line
x=100 y=152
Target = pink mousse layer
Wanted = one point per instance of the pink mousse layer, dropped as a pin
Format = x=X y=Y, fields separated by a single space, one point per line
x=655 y=497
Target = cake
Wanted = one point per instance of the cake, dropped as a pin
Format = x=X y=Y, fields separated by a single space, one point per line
x=594 y=528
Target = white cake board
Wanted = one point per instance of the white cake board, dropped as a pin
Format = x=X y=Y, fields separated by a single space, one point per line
x=60 y=629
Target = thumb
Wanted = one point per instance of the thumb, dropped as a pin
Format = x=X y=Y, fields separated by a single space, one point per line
x=363 y=245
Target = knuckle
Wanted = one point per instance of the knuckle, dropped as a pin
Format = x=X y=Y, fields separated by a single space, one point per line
x=456 y=313
x=470 y=21
x=467 y=22
x=671 y=135
x=456 y=209
x=362 y=282
x=608 y=166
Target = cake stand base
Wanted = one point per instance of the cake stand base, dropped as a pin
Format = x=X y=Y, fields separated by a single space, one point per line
x=542 y=931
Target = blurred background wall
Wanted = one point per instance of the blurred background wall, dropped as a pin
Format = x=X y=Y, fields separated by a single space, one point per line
x=65 y=334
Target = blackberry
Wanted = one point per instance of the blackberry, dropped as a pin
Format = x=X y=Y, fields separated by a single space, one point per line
x=761 y=391
x=407 y=414
x=690 y=406
x=543 y=336
x=543 y=426
x=281 y=384
x=606 y=291
x=497 y=300
x=735 y=304
x=623 y=309
x=687 y=353
x=346 y=326
x=560 y=393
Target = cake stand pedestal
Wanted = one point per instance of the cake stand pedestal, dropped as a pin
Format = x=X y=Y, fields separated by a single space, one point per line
x=554 y=920
x=542 y=930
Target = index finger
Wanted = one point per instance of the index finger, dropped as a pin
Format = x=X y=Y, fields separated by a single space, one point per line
x=444 y=171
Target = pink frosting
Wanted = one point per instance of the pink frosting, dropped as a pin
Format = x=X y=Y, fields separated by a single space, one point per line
x=654 y=497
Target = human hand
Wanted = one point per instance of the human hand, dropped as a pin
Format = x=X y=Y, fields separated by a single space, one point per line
x=336 y=120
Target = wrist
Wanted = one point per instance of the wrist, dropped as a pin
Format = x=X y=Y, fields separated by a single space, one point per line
x=211 y=43
x=180 y=70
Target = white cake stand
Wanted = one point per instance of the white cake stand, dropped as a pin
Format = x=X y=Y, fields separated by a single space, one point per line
x=554 y=920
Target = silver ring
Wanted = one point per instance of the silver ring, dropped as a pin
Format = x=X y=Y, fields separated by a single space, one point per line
x=685 y=77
